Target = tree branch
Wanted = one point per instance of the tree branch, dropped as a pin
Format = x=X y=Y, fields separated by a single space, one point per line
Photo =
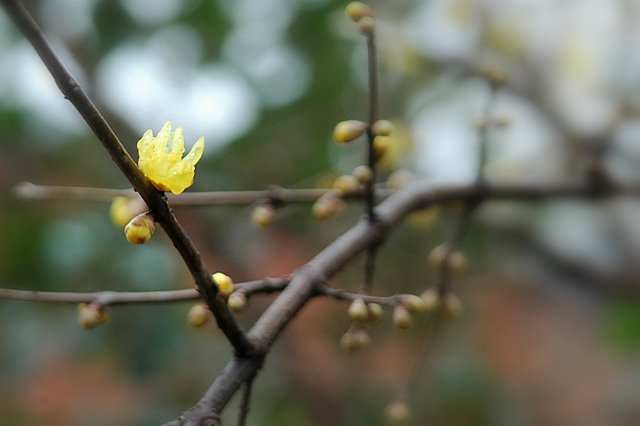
x=156 y=201
x=279 y=195
x=113 y=298
x=307 y=281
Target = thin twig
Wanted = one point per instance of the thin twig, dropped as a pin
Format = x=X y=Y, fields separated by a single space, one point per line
x=245 y=402
x=113 y=298
x=373 y=117
x=156 y=201
x=279 y=195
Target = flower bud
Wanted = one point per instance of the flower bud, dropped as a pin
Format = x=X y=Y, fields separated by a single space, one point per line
x=382 y=128
x=363 y=174
x=263 y=215
x=237 y=301
x=346 y=184
x=198 y=315
x=452 y=306
x=357 y=10
x=327 y=205
x=431 y=299
x=224 y=283
x=375 y=312
x=457 y=261
x=401 y=317
x=123 y=209
x=381 y=145
x=361 y=338
x=413 y=303
x=89 y=316
x=358 y=310
x=367 y=25
x=349 y=130
x=438 y=255
x=354 y=339
x=398 y=413
x=140 y=229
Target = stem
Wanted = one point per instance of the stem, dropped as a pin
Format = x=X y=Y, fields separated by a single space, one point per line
x=373 y=117
x=245 y=403
x=156 y=200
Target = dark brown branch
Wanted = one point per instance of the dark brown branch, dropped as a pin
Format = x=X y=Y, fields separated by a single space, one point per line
x=307 y=281
x=156 y=201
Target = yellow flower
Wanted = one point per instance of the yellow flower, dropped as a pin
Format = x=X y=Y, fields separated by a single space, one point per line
x=161 y=159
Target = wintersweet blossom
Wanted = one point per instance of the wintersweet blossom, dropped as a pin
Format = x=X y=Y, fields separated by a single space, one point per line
x=160 y=159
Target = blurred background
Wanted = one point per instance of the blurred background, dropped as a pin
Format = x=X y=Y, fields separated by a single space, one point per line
x=551 y=328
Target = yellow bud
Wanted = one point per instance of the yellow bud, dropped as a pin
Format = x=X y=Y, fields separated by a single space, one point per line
x=367 y=25
x=381 y=145
x=452 y=306
x=357 y=10
x=401 y=317
x=346 y=185
x=382 y=128
x=457 y=261
x=224 y=283
x=363 y=174
x=327 y=206
x=198 y=315
x=358 y=310
x=88 y=316
x=263 y=215
x=349 y=130
x=140 y=229
x=375 y=312
x=398 y=413
x=123 y=209
x=237 y=301
x=413 y=303
x=431 y=299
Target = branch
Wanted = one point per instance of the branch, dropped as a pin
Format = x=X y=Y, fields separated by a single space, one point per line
x=113 y=298
x=309 y=279
x=279 y=195
x=156 y=201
